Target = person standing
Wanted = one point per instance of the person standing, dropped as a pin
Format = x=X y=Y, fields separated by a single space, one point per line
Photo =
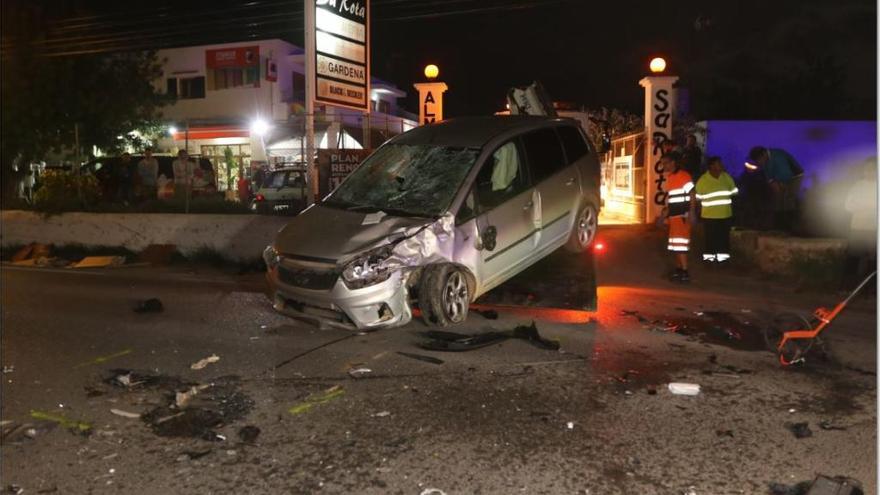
x=244 y=188
x=125 y=174
x=784 y=175
x=679 y=210
x=715 y=191
x=692 y=156
x=861 y=203
x=148 y=172
x=183 y=171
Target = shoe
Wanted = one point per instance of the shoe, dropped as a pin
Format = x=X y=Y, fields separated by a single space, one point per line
x=684 y=277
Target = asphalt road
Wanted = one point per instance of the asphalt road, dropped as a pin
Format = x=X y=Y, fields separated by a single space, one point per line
x=593 y=417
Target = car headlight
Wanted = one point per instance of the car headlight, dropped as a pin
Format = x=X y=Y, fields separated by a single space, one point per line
x=367 y=269
x=271 y=257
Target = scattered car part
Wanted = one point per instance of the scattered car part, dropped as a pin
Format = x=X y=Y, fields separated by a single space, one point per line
x=679 y=388
x=202 y=363
x=152 y=305
x=421 y=357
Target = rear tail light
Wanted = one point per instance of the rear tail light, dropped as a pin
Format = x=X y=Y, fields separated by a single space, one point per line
x=260 y=197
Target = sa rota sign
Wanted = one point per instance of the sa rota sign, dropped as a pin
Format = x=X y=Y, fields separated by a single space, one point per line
x=342 y=53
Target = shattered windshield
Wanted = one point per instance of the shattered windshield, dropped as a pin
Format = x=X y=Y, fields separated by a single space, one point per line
x=419 y=180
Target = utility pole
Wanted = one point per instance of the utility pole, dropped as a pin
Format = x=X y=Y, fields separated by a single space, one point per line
x=309 y=6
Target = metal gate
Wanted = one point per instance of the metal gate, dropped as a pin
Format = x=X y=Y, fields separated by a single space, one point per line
x=623 y=180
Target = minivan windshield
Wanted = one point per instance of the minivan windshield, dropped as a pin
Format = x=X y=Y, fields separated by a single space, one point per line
x=406 y=179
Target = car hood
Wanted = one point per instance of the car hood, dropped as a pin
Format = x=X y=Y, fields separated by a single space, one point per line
x=333 y=235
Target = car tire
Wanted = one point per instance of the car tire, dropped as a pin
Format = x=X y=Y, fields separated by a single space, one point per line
x=444 y=295
x=583 y=232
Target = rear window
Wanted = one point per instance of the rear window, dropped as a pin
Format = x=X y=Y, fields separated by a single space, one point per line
x=276 y=180
x=544 y=153
x=573 y=143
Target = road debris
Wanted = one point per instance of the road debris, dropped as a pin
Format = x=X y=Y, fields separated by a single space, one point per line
x=202 y=363
x=191 y=455
x=8 y=369
x=570 y=425
x=313 y=400
x=382 y=414
x=432 y=491
x=635 y=314
x=125 y=414
x=14 y=489
x=181 y=399
x=359 y=372
x=800 y=430
x=679 y=388
x=724 y=433
x=80 y=427
x=99 y=262
x=457 y=342
x=421 y=357
x=248 y=434
x=104 y=359
x=158 y=254
x=821 y=485
x=152 y=305
x=828 y=425
x=15 y=433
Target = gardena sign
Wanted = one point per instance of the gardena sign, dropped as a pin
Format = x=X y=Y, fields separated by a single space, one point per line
x=342 y=53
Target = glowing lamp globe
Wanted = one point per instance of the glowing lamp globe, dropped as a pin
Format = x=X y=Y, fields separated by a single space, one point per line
x=432 y=71
x=657 y=65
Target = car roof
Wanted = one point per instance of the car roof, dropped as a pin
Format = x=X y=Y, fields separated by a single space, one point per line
x=474 y=132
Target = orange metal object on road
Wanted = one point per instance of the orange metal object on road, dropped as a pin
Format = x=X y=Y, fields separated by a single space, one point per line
x=822 y=317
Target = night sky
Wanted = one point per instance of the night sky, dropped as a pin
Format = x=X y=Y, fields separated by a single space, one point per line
x=742 y=59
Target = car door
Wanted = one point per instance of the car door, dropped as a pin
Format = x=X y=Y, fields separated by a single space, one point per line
x=556 y=182
x=508 y=214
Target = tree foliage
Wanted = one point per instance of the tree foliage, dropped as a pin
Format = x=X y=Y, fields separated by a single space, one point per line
x=44 y=99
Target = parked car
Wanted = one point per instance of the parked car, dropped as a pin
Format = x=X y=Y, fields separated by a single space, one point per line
x=436 y=217
x=282 y=191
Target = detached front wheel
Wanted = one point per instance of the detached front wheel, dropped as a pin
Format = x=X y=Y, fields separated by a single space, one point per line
x=444 y=295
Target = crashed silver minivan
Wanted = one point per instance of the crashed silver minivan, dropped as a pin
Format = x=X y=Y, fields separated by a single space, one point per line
x=436 y=217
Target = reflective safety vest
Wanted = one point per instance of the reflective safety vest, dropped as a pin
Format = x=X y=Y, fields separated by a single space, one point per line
x=678 y=199
x=716 y=195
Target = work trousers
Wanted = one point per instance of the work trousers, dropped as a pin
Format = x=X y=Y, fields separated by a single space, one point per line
x=717 y=246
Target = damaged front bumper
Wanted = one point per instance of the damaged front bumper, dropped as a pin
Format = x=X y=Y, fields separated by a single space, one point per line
x=380 y=305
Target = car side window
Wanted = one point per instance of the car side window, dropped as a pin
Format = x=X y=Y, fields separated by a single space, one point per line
x=278 y=179
x=501 y=177
x=573 y=143
x=295 y=179
x=544 y=153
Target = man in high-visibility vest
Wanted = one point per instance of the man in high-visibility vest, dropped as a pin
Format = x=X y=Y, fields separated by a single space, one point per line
x=679 y=208
x=715 y=191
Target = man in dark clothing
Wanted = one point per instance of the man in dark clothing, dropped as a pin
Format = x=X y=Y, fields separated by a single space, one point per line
x=784 y=175
x=125 y=174
x=692 y=156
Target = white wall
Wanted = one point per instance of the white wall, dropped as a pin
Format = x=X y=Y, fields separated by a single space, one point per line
x=238 y=237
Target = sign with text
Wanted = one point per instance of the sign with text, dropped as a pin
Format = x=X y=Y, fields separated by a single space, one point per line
x=623 y=174
x=241 y=56
x=335 y=165
x=430 y=101
x=342 y=53
x=659 y=109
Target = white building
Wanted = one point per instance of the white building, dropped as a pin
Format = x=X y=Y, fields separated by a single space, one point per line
x=223 y=90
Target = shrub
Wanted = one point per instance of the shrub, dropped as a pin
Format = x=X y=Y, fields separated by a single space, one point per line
x=60 y=191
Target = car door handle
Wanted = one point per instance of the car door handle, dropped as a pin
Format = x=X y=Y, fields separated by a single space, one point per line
x=528 y=206
x=569 y=182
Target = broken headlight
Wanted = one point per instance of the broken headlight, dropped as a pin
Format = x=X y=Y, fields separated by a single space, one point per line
x=271 y=257
x=367 y=269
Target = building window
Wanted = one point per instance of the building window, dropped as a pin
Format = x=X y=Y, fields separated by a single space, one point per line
x=382 y=106
x=193 y=87
x=171 y=87
x=235 y=77
x=298 y=83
